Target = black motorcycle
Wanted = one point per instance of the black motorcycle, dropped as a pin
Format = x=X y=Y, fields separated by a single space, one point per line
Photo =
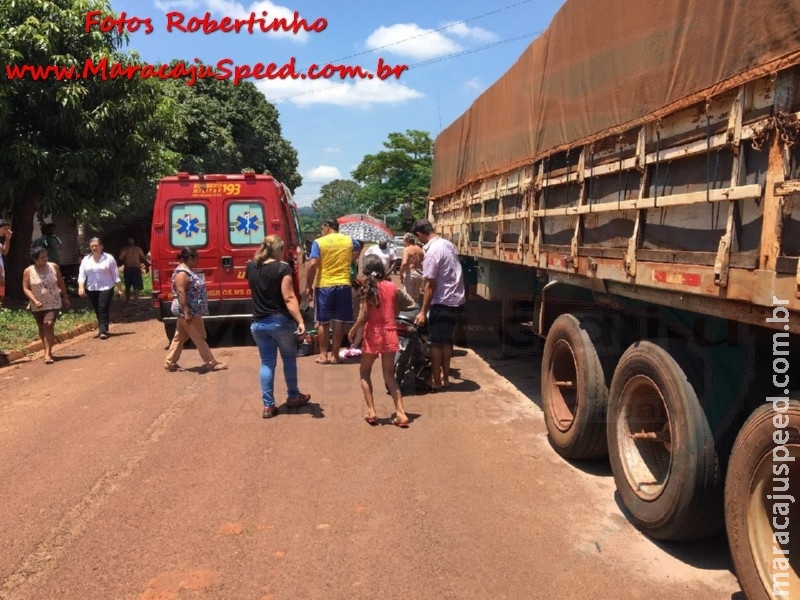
x=412 y=362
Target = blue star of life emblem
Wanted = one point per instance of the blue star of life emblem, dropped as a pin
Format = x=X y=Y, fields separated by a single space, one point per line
x=188 y=225
x=247 y=223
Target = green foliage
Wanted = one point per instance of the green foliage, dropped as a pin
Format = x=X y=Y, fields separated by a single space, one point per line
x=339 y=197
x=71 y=147
x=399 y=175
x=228 y=128
x=18 y=328
x=310 y=224
x=67 y=146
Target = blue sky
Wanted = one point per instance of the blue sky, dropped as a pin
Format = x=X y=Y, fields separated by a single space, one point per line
x=454 y=51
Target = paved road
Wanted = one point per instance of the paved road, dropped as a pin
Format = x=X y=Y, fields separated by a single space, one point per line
x=121 y=481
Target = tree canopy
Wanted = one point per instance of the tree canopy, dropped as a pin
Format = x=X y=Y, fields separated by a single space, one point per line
x=96 y=147
x=225 y=128
x=339 y=197
x=399 y=175
x=68 y=146
x=220 y=128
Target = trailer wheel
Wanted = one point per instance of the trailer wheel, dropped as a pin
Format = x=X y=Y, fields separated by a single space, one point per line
x=574 y=390
x=749 y=512
x=661 y=447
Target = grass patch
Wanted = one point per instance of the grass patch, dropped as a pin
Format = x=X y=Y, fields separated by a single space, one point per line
x=18 y=329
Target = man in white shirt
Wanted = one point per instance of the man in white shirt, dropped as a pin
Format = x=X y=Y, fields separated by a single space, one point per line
x=383 y=252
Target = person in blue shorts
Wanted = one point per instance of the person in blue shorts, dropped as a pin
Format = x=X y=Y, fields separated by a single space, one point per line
x=329 y=265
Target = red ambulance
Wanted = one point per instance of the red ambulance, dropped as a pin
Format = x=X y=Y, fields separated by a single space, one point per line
x=225 y=217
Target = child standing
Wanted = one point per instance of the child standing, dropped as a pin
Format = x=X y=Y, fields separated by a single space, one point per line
x=379 y=308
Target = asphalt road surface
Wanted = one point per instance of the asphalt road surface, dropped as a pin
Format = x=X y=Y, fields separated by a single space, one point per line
x=119 y=480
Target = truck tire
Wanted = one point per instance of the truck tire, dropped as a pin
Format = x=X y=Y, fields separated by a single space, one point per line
x=574 y=389
x=661 y=447
x=748 y=510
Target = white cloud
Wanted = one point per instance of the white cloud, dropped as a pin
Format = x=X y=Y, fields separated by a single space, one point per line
x=236 y=10
x=362 y=93
x=409 y=39
x=473 y=84
x=462 y=30
x=332 y=150
x=324 y=174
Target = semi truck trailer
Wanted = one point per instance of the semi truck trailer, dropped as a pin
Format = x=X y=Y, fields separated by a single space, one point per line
x=631 y=187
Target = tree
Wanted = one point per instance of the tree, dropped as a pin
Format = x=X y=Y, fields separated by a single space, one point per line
x=338 y=197
x=68 y=146
x=399 y=175
x=227 y=128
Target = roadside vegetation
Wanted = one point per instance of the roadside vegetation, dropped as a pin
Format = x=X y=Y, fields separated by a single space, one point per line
x=18 y=329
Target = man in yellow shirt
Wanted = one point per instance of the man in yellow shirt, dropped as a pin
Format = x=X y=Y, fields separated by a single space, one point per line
x=330 y=258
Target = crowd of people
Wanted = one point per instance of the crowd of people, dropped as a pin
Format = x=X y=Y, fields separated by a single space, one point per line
x=431 y=273
x=43 y=282
x=368 y=301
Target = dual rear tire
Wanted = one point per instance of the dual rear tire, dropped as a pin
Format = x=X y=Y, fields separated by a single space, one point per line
x=574 y=388
x=762 y=502
x=662 y=449
x=649 y=420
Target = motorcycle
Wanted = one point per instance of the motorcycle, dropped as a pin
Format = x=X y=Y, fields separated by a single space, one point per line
x=412 y=362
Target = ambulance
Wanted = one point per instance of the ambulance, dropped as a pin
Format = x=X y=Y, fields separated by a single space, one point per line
x=225 y=217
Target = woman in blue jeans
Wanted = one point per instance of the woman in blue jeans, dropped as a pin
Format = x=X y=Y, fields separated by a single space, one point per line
x=276 y=315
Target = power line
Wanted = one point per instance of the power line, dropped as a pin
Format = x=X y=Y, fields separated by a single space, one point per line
x=470 y=51
x=416 y=65
x=431 y=31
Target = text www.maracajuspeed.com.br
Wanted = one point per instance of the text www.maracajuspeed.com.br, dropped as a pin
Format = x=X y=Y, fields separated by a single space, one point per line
x=225 y=69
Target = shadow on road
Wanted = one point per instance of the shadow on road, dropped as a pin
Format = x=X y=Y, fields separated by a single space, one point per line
x=522 y=368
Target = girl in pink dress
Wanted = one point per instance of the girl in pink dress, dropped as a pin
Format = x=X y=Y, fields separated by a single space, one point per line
x=379 y=308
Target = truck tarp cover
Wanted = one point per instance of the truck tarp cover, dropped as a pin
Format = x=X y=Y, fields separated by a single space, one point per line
x=605 y=66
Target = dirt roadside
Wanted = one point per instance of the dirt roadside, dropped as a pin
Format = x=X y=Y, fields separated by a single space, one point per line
x=120 y=480
x=120 y=311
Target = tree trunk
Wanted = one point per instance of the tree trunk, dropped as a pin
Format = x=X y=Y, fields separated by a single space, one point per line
x=18 y=254
x=67 y=231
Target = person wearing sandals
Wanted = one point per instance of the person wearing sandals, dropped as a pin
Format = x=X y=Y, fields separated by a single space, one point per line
x=443 y=295
x=276 y=322
x=380 y=304
x=190 y=305
x=44 y=286
x=330 y=258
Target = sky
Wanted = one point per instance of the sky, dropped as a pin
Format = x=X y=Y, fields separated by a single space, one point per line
x=453 y=51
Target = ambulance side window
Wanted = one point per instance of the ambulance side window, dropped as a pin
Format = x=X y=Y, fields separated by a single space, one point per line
x=297 y=234
x=188 y=225
x=246 y=223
